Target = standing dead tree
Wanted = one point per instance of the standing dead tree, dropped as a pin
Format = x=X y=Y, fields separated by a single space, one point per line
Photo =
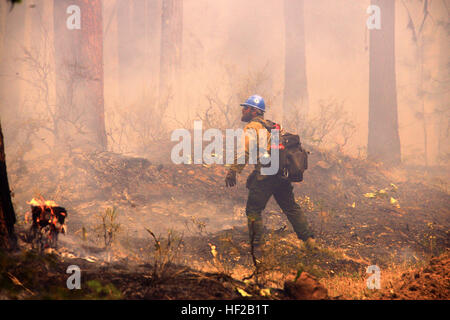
x=79 y=56
x=295 y=99
x=330 y=127
x=47 y=115
x=7 y=214
x=223 y=110
x=138 y=127
x=422 y=40
x=171 y=48
x=383 y=138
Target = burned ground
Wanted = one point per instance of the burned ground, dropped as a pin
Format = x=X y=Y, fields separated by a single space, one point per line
x=362 y=213
x=429 y=282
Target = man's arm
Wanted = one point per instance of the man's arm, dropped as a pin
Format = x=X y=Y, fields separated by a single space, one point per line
x=250 y=139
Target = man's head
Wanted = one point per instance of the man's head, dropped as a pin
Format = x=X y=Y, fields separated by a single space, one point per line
x=253 y=107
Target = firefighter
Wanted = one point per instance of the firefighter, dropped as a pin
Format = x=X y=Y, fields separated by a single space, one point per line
x=262 y=187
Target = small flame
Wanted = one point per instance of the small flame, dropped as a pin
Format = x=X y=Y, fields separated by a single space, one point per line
x=34 y=202
x=42 y=203
x=41 y=215
x=213 y=250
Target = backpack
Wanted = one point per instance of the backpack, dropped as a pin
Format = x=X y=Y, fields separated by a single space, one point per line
x=293 y=158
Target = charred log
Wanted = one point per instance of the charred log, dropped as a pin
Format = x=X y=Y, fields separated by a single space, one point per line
x=47 y=223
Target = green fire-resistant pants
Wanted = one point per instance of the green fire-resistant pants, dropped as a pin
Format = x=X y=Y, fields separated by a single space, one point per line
x=261 y=188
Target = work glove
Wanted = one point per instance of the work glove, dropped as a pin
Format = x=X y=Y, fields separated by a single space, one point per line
x=230 y=180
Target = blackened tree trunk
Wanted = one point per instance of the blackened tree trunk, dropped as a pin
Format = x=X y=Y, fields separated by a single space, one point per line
x=79 y=73
x=7 y=214
x=171 y=42
x=295 y=100
x=383 y=140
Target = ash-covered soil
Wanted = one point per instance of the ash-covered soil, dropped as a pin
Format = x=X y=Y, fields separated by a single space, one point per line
x=431 y=282
x=362 y=213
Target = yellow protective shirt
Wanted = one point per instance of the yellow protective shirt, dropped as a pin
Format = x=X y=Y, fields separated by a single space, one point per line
x=249 y=140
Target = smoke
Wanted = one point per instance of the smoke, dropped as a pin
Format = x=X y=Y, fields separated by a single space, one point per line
x=225 y=43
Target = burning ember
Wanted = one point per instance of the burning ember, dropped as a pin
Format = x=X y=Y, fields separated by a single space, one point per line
x=47 y=222
x=42 y=203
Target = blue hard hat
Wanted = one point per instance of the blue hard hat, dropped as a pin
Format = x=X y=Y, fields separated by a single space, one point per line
x=255 y=101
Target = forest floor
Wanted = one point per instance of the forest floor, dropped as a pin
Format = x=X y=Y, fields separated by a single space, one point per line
x=181 y=234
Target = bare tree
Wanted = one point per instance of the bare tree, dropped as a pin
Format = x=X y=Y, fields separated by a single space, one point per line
x=136 y=129
x=383 y=139
x=152 y=41
x=7 y=214
x=130 y=32
x=171 y=42
x=440 y=113
x=79 y=70
x=331 y=127
x=11 y=90
x=224 y=98
x=295 y=101
x=2 y=26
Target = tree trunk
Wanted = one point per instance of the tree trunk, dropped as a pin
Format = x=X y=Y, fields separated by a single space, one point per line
x=2 y=26
x=92 y=52
x=152 y=48
x=133 y=21
x=3 y=13
x=423 y=114
x=7 y=214
x=383 y=139
x=79 y=74
x=126 y=46
x=11 y=69
x=295 y=100
x=171 y=42
x=25 y=47
x=443 y=110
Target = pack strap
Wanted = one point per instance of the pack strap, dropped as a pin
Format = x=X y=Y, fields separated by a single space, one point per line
x=269 y=125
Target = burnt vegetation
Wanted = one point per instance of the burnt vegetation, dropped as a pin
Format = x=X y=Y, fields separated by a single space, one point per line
x=107 y=197
x=185 y=236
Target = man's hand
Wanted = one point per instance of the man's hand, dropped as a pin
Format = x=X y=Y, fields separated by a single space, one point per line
x=230 y=180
